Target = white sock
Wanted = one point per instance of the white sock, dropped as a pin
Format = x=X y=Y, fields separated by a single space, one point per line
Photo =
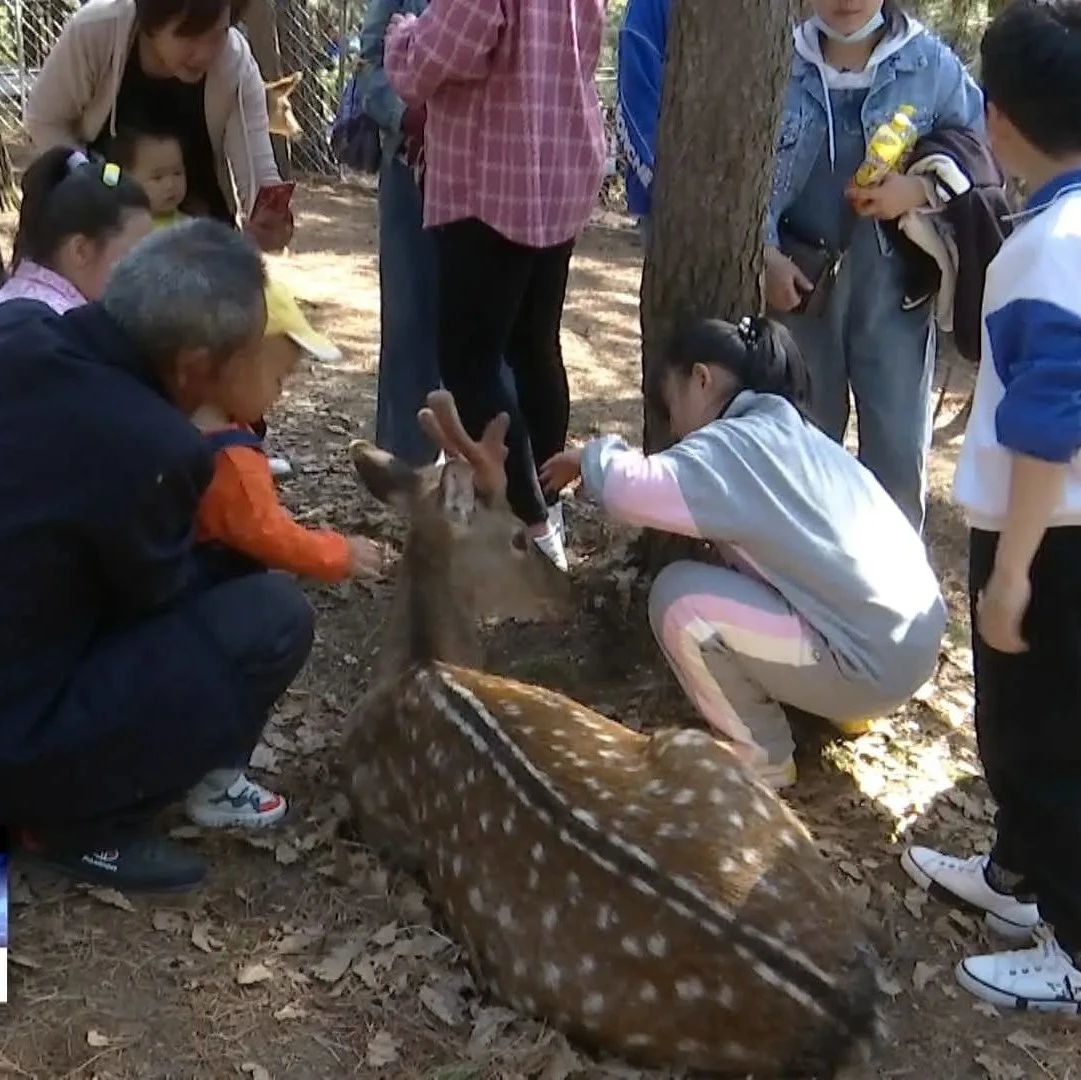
x=551 y=543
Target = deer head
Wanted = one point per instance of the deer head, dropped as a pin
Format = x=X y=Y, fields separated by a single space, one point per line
x=467 y=557
x=279 y=108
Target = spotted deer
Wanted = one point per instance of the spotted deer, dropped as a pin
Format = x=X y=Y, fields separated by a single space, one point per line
x=279 y=108
x=643 y=893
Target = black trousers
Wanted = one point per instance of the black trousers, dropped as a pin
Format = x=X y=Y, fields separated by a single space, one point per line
x=142 y=743
x=1028 y=722
x=499 y=300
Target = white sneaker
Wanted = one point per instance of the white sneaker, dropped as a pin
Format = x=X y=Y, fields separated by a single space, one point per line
x=280 y=469
x=780 y=776
x=551 y=543
x=558 y=522
x=217 y=802
x=964 y=880
x=1041 y=979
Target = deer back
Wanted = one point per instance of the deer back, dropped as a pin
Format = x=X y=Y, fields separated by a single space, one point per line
x=642 y=893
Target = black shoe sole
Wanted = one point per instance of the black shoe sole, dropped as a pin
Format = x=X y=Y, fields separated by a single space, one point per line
x=80 y=877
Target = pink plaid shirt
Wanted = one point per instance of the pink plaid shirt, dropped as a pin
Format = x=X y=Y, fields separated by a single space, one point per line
x=514 y=135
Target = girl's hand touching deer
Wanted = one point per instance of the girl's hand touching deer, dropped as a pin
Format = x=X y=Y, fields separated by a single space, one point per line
x=562 y=470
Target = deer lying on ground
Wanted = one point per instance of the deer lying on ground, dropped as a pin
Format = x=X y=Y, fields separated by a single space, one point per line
x=279 y=108
x=642 y=893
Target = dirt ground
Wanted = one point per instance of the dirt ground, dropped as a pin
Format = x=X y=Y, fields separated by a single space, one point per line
x=303 y=958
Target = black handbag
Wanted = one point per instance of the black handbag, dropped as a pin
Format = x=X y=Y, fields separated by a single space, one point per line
x=354 y=135
x=817 y=261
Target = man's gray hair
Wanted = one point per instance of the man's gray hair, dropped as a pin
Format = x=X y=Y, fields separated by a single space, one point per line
x=198 y=285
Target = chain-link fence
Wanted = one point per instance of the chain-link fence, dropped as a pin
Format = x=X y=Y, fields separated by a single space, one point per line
x=317 y=37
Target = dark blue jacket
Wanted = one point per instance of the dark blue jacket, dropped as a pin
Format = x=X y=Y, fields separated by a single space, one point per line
x=643 y=39
x=100 y=477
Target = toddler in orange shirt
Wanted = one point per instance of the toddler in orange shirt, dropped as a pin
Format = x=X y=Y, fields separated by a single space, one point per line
x=242 y=523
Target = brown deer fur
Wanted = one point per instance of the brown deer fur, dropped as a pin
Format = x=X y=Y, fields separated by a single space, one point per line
x=642 y=893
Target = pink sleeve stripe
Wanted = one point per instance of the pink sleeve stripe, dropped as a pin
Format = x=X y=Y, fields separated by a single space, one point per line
x=645 y=492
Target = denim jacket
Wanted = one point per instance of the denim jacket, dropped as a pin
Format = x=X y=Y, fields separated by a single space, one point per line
x=379 y=100
x=923 y=73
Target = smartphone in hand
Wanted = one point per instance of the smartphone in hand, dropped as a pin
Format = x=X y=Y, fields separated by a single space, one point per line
x=274 y=199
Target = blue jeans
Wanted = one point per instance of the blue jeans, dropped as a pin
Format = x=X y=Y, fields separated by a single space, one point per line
x=139 y=737
x=408 y=312
x=864 y=340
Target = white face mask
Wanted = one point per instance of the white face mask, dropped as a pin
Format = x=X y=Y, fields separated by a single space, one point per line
x=872 y=26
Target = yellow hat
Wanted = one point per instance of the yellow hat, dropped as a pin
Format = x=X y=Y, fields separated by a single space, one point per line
x=284 y=317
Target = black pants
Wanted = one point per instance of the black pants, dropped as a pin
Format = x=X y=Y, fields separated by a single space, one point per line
x=1028 y=721
x=141 y=744
x=499 y=300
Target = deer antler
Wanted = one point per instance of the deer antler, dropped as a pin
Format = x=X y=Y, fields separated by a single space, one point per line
x=441 y=422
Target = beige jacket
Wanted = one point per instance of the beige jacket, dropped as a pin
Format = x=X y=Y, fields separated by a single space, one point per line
x=75 y=95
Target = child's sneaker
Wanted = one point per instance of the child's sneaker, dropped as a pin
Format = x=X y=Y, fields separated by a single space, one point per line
x=965 y=880
x=780 y=776
x=223 y=800
x=280 y=468
x=557 y=521
x=1042 y=979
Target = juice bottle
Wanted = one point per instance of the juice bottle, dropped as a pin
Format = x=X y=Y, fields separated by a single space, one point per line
x=888 y=148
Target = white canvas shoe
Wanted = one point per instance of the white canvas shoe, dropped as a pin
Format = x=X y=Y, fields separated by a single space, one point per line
x=1041 y=979
x=964 y=880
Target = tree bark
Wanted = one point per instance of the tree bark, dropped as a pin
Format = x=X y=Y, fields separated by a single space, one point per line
x=261 y=23
x=726 y=71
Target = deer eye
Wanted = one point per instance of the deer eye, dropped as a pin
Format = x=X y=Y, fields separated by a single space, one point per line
x=520 y=542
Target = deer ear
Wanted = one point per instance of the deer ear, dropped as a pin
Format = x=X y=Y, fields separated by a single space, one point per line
x=457 y=494
x=388 y=479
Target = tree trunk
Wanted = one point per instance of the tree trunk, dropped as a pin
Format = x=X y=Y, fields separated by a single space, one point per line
x=260 y=21
x=725 y=75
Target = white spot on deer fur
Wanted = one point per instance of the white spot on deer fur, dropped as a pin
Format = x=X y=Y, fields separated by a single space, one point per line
x=735 y=819
x=733 y=775
x=784 y=929
x=534 y=877
x=553 y=975
x=586 y=818
x=508 y=822
x=716 y=796
x=454 y=833
x=510 y=708
x=538 y=852
x=690 y=738
x=609 y=755
x=476 y=901
x=729 y=865
x=684 y=797
x=648 y=992
x=638 y=1038
x=587 y=965
x=505 y=916
x=485 y=820
x=574 y=882
x=657 y=944
x=456 y=866
x=667 y=830
x=788 y=839
x=440 y=801
x=519 y=967
x=726 y=996
x=655 y=787
x=688 y=1046
x=549 y=918
x=604 y=917
x=761 y=809
x=630 y=946
x=643 y=887
x=471 y=776
x=690 y=989
x=606 y=738
x=529 y=1004
x=593 y=1003
x=750 y=857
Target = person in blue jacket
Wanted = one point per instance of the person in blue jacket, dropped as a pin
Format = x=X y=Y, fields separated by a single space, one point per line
x=856 y=63
x=408 y=308
x=126 y=676
x=643 y=38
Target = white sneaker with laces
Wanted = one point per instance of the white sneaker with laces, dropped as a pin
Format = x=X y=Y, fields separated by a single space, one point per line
x=964 y=880
x=558 y=522
x=780 y=776
x=226 y=799
x=1041 y=979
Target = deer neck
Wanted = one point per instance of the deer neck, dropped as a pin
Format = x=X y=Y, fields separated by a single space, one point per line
x=431 y=617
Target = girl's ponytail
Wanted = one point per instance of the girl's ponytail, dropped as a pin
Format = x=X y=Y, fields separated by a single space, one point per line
x=772 y=361
x=66 y=194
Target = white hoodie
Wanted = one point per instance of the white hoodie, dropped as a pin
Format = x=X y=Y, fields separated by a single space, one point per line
x=75 y=94
x=809 y=47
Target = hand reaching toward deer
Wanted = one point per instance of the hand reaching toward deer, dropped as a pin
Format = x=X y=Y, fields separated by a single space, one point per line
x=561 y=471
x=368 y=559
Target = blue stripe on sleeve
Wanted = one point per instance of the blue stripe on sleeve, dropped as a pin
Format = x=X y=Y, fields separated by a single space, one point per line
x=1036 y=346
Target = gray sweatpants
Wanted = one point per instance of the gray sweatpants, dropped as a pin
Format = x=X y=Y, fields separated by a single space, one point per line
x=741 y=652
